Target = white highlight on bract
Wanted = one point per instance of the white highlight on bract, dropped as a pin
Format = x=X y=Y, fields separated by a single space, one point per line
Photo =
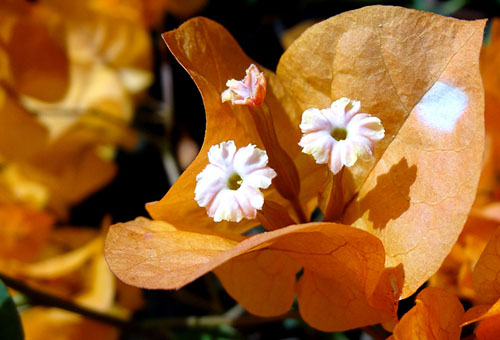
x=441 y=107
x=360 y=132
x=215 y=184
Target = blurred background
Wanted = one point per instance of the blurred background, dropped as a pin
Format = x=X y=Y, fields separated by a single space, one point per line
x=96 y=119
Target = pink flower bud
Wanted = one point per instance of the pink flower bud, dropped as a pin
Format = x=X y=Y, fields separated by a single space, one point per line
x=249 y=91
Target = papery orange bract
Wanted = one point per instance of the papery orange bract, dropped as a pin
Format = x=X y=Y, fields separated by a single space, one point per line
x=37 y=64
x=15 y=125
x=210 y=71
x=260 y=271
x=23 y=231
x=68 y=131
x=437 y=315
x=95 y=290
x=488 y=189
x=481 y=312
x=486 y=276
x=152 y=11
x=455 y=274
x=489 y=329
x=80 y=275
x=406 y=195
x=62 y=325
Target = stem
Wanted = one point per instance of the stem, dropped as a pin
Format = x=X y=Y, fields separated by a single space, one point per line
x=335 y=206
x=287 y=182
x=300 y=212
x=375 y=332
x=150 y=329
x=40 y=298
x=211 y=321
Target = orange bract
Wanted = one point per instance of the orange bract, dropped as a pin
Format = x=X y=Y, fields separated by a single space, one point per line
x=436 y=315
x=260 y=271
x=210 y=71
x=37 y=64
x=490 y=63
x=486 y=279
x=455 y=274
x=23 y=231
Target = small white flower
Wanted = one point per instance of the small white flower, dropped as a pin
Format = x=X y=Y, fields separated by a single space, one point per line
x=339 y=135
x=229 y=185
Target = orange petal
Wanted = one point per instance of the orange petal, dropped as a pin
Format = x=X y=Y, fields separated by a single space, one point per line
x=436 y=315
x=62 y=325
x=260 y=271
x=38 y=64
x=481 y=312
x=154 y=254
x=455 y=274
x=486 y=274
x=416 y=193
x=16 y=125
x=489 y=329
x=189 y=44
x=23 y=231
x=489 y=64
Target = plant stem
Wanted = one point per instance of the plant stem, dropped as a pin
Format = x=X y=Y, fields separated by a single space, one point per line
x=377 y=333
x=150 y=329
x=211 y=321
x=39 y=298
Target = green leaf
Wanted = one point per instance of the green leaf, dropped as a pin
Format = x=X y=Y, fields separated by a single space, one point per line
x=10 y=322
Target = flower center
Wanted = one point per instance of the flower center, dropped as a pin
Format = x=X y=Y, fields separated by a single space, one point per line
x=339 y=134
x=234 y=182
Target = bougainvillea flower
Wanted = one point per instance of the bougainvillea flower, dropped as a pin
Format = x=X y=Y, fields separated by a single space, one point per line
x=455 y=274
x=489 y=185
x=411 y=198
x=69 y=263
x=37 y=67
x=486 y=280
x=24 y=231
x=249 y=91
x=338 y=135
x=57 y=275
x=436 y=315
x=229 y=185
x=79 y=97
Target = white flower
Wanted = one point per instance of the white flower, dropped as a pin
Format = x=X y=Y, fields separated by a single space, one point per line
x=250 y=91
x=339 y=135
x=229 y=185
